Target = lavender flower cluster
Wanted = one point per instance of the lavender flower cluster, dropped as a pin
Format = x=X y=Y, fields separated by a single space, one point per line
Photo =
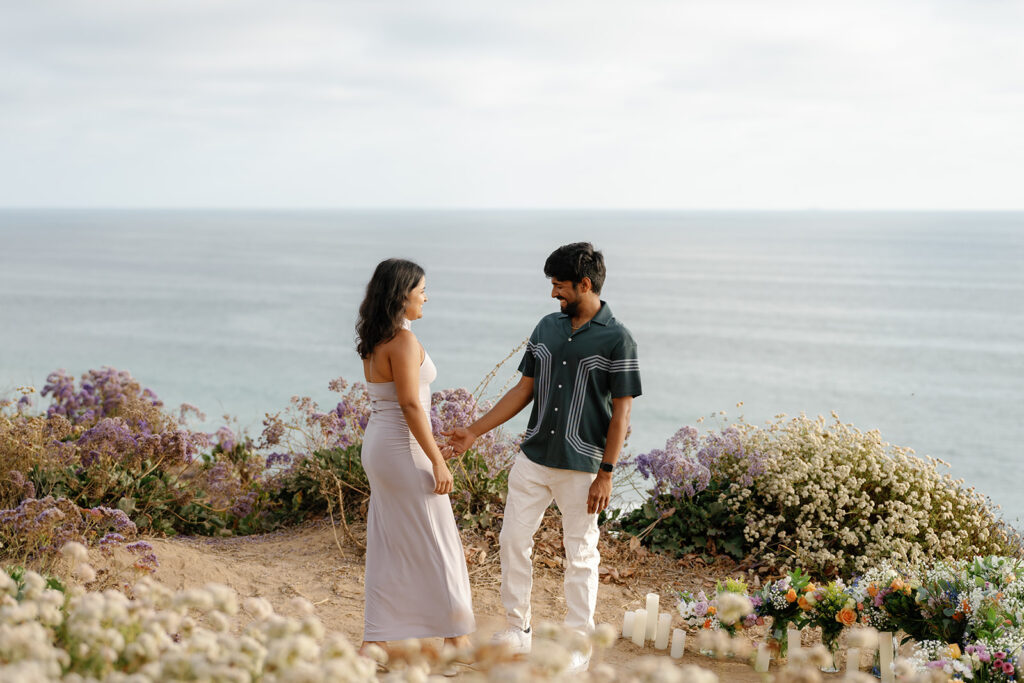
x=305 y=428
x=101 y=393
x=690 y=462
x=453 y=408
x=40 y=527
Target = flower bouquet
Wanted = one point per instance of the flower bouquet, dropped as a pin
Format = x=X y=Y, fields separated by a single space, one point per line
x=698 y=611
x=778 y=601
x=831 y=608
x=733 y=607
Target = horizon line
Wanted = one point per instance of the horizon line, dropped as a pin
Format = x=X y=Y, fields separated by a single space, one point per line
x=592 y=209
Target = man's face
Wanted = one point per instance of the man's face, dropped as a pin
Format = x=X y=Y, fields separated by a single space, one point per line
x=568 y=295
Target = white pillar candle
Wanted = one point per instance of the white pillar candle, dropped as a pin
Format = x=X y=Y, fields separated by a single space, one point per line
x=627 y=624
x=678 y=643
x=639 y=627
x=853 y=660
x=664 y=628
x=885 y=657
x=792 y=642
x=652 y=615
x=763 y=657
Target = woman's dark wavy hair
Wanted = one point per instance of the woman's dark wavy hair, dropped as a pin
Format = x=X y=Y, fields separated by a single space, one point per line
x=382 y=312
x=573 y=262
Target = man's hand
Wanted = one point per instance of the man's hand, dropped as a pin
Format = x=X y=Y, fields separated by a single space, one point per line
x=600 y=493
x=460 y=440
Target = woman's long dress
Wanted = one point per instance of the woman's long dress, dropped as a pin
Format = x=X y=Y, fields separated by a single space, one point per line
x=417 y=585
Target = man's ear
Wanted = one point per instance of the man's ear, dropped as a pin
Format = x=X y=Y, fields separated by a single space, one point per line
x=585 y=285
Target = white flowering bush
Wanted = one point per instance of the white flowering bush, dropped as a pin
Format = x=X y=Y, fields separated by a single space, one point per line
x=835 y=500
x=50 y=632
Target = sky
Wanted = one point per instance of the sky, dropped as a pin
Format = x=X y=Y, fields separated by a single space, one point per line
x=649 y=104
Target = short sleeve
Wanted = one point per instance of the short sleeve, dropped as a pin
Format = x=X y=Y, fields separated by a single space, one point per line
x=625 y=368
x=527 y=365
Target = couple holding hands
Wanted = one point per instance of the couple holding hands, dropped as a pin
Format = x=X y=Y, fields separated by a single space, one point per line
x=580 y=371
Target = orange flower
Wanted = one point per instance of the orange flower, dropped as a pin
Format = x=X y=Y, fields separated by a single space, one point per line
x=896 y=585
x=958 y=617
x=804 y=605
x=791 y=595
x=954 y=651
x=712 y=609
x=872 y=590
x=846 y=617
x=707 y=623
x=808 y=588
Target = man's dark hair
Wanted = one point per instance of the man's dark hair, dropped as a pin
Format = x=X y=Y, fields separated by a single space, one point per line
x=573 y=262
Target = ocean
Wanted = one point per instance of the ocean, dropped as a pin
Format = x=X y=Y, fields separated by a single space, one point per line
x=910 y=323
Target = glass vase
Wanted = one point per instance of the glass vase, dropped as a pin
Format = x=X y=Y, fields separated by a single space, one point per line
x=832 y=666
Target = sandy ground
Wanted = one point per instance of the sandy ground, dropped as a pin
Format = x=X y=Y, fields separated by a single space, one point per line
x=316 y=562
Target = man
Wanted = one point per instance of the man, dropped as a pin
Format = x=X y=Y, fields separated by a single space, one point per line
x=581 y=372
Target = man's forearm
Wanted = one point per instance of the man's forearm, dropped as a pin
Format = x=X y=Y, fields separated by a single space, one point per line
x=504 y=410
x=617 y=429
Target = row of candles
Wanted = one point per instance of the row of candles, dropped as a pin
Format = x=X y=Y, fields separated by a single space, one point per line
x=647 y=624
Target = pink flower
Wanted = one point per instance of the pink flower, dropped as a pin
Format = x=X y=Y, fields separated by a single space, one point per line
x=1007 y=668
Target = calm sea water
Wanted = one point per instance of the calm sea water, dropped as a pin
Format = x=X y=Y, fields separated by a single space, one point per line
x=911 y=323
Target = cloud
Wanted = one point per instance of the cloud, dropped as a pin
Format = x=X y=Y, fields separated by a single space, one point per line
x=659 y=104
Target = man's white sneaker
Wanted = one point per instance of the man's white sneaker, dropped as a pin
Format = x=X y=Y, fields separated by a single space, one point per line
x=579 y=663
x=518 y=640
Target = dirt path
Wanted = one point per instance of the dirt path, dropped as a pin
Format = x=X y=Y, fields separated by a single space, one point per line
x=308 y=562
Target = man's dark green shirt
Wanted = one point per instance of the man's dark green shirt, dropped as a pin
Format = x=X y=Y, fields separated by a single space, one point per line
x=575 y=377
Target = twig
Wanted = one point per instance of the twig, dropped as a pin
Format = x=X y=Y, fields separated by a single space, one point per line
x=341 y=515
x=482 y=386
x=335 y=530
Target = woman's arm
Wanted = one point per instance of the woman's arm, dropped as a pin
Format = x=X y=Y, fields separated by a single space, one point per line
x=404 y=356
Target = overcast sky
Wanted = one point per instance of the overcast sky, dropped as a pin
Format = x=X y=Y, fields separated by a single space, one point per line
x=768 y=104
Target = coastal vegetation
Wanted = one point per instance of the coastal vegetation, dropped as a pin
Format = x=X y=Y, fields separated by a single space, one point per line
x=824 y=511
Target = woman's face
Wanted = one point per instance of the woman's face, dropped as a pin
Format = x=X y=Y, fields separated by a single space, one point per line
x=415 y=300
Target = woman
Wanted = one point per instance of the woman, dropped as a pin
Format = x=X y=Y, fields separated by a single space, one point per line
x=417 y=585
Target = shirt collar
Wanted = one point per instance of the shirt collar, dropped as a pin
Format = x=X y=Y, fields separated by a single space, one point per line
x=603 y=316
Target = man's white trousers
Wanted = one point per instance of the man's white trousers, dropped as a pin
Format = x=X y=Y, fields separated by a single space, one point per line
x=531 y=488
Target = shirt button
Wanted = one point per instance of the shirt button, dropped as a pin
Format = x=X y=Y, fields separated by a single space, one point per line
x=552 y=431
x=570 y=338
x=559 y=386
x=556 y=410
x=563 y=363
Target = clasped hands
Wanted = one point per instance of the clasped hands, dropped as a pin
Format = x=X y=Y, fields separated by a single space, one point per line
x=460 y=440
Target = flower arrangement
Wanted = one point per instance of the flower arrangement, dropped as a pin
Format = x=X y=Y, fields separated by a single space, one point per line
x=698 y=611
x=734 y=609
x=831 y=608
x=778 y=601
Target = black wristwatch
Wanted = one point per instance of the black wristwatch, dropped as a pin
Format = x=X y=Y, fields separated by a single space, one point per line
x=607 y=467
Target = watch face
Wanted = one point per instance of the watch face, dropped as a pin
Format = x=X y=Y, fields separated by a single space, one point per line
x=607 y=467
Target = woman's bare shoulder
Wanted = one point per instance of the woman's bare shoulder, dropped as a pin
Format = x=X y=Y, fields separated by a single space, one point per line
x=404 y=342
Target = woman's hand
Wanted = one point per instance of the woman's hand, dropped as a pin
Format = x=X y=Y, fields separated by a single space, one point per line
x=460 y=440
x=443 y=480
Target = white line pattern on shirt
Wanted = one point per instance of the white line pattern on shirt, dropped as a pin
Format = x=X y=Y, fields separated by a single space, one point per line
x=543 y=379
x=583 y=370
